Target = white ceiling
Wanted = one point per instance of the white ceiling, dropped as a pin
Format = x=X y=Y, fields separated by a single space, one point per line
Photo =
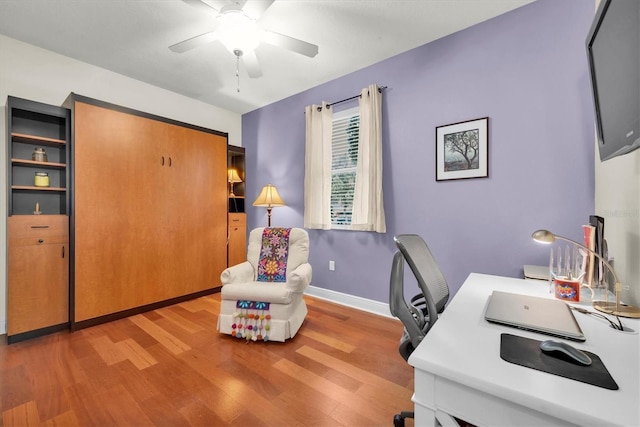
x=131 y=37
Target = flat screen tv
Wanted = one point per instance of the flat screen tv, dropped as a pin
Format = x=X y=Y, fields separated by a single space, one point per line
x=613 y=50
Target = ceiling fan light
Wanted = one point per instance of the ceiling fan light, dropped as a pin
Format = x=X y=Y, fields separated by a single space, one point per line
x=232 y=17
x=237 y=31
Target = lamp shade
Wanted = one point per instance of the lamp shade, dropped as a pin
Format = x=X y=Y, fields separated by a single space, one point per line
x=543 y=236
x=233 y=177
x=269 y=197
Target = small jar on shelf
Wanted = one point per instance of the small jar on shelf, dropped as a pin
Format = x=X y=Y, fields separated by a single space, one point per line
x=41 y=179
x=39 y=155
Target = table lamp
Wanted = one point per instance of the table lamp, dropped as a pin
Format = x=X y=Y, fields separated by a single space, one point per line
x=233 y=178
x=614 y=308
x=269 y=198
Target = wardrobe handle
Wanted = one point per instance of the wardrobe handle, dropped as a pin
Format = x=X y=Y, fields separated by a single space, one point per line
x=63 y=252
x=162 y=160
x=39 y=226
x=169 y=161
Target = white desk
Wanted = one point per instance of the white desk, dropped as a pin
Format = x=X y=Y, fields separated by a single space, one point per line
x=458 y=369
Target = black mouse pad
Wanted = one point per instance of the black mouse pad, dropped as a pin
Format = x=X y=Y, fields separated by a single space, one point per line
x=526 y=352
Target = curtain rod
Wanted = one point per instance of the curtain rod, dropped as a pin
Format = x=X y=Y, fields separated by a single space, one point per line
x=380 y=89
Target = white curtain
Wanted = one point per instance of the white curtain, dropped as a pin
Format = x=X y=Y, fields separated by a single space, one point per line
x=317 y=167
x=368 y=204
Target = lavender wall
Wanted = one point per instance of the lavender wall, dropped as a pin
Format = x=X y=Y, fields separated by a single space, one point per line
x=527 y=72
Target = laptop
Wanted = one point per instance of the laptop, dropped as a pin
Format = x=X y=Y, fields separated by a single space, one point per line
x=543 y=315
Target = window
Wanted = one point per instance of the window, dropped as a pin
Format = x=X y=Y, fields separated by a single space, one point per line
x=344 y=143
x=343 y=165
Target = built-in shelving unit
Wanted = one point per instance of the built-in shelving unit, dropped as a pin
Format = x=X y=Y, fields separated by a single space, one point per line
x=38 y=219
x=237 y=221
x=35 y=125
x=235 y=161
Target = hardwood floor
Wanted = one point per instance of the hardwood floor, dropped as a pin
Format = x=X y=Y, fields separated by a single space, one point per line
x=170 y=367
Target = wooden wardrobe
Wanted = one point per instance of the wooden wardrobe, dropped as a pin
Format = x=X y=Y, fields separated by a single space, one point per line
x=149 y=211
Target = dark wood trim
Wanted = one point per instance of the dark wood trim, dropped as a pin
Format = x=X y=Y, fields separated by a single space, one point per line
x=74 y=97
x=71 y=188
x=141 y=309
x=236 y=149
x=11 y=339
x=36 y=107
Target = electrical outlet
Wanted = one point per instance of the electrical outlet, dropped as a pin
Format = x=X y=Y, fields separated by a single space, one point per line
x=332 y=266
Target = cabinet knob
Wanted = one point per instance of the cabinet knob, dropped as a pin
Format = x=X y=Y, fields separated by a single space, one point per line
x=40 y=241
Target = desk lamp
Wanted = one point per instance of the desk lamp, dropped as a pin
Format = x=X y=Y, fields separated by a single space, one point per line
x=269 y=198
x=233 y=178
x=614 y=308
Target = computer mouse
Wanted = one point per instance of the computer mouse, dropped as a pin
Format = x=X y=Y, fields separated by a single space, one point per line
x=564 y=351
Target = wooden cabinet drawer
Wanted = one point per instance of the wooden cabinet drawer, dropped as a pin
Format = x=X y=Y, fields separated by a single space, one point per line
x=237 y=244
x=33 y=241
x=237 y=220
x=34 y=227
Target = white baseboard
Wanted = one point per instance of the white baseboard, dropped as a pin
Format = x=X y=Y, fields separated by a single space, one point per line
x=352 y=301
x=3 y=327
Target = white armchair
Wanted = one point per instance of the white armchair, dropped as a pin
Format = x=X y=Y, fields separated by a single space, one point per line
x=274 y=311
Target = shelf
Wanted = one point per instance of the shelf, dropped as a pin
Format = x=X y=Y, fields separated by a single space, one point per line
x=31 y=125
x=33 y=163
x=37 y=140
x=236 y=161
x=34 y=188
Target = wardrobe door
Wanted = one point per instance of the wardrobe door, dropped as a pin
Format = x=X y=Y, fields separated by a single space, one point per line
x=194 y=209
x=150 y=201
x=116 y=174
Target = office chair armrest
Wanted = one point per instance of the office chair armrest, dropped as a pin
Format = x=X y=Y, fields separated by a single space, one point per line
x=242 y=272
x=299 y=278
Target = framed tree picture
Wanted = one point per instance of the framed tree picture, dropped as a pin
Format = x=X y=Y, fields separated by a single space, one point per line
x=462 y=150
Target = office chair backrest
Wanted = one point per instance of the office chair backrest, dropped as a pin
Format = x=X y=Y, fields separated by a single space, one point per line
x=422 y=313
x=424 y=267
x=411 y=316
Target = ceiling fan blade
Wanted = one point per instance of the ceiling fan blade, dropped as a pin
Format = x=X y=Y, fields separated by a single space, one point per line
x=255 y=8
x=290 y=43
x=251 y=63
x=194 y=42
x=200 y=5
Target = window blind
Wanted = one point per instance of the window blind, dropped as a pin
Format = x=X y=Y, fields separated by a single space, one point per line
x=344 y=142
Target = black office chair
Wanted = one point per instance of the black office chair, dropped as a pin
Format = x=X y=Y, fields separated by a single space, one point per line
x=421 y=313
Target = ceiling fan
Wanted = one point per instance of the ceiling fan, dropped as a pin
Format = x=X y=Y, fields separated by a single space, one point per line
x=237 y=27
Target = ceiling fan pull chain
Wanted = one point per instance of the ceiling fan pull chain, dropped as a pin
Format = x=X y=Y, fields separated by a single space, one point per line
x=238 y=54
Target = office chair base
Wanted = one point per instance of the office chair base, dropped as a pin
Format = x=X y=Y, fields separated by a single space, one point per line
x=398 y=419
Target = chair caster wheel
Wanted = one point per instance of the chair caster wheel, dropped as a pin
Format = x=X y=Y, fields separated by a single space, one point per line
x=398 y=420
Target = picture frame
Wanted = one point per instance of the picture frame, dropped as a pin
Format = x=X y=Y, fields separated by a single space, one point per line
x=462 y=150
